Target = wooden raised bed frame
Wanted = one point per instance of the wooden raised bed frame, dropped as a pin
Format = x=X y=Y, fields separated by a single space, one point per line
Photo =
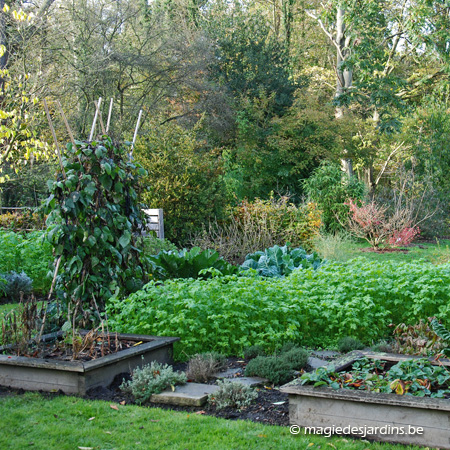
x=383 y=417
x=77 y=377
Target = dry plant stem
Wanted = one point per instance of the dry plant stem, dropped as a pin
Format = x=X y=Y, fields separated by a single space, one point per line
x=74 y=345
x=39 y=337
x=50 y=123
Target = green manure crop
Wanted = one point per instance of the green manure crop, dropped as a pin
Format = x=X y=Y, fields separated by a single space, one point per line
x=310 y=307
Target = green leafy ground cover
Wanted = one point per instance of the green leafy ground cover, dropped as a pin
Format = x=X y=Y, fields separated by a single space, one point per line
x=417 y=377
x=310 y=307
x=27 y=252
x=66 y=423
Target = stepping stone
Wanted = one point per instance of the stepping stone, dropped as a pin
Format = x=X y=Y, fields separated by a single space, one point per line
x=315 y=363
x=250 y=381
x=229 y=373
x=326 y=354
x=190 y=394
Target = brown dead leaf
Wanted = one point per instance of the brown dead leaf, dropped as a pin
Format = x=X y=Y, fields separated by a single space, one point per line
x=114 y=407
x=200 y=412
x=123 y=403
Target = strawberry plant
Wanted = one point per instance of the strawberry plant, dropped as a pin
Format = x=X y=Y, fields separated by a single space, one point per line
x=417 y=377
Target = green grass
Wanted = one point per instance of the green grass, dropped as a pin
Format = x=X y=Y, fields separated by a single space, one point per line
x=69 y=423
x=431 y=252
x=343 y=248
x=7 y=307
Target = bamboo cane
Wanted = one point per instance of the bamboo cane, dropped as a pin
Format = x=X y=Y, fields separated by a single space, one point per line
x=109 y=115
x=135 y=133
x=61 y=111
x=95 y=120
x=52 y=129
x=97 y=106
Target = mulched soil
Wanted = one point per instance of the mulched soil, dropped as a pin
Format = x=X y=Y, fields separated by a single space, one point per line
x=263 y=409
x=384 y=250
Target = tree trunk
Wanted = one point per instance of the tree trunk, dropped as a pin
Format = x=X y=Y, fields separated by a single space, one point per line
x=344 y=76
x=3 y=38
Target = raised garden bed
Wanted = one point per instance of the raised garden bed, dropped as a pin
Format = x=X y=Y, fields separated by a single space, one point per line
x=77 y=377
x=382 y=417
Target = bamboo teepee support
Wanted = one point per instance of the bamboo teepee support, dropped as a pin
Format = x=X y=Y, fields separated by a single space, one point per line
x=97 y=107
x=54 y=138
x=135 y=133
x=91 y=136
x=69 y=130
x=109 y=115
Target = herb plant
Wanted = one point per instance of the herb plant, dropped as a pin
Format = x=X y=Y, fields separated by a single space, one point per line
x=232 y=394
x=152 y=379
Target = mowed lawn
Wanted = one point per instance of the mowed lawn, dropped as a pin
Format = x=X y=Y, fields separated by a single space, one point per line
x=34 y=421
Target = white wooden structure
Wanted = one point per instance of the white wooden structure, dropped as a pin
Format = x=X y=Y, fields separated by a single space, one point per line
x=155 y=221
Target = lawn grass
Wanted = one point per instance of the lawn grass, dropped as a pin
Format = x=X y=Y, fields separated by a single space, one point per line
x=69 y=423
x=7 y=307
x=436 y=253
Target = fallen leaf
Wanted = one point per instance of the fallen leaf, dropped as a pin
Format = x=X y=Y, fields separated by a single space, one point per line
x=331 y=445
x=108 y=432
x=137 y=343
x=200 y=412
x=278 y=403
x=91 y=418
x=114 y=407
x=262 y=435
x=173 y=387
x=123 y=403
x=86 y=448
x=310 y=444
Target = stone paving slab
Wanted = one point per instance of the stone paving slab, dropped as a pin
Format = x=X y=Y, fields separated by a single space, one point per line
x=229 y=373
x=250 y=381
x=326 y=354
x=315 y=363
x=190 y=394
